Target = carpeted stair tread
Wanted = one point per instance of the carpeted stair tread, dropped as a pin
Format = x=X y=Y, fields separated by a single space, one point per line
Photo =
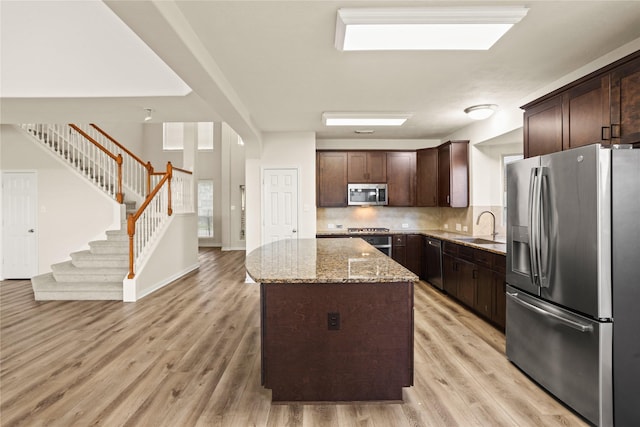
x=67 y=272
x=88 y=259
x=45 y=287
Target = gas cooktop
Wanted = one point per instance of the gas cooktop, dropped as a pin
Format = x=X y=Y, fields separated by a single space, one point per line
x=366 y=229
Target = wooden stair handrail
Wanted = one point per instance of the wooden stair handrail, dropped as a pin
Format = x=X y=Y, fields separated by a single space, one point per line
x=117 y=158
x=147 y=165
x=122 y=147
x=131 y=220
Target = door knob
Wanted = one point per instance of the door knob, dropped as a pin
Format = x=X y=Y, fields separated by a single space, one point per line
x=294 y=231
x=31 y=230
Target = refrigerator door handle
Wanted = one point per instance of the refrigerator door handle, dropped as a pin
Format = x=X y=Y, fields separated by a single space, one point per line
x=570 y=323
x=543 y=250
x=534 y=220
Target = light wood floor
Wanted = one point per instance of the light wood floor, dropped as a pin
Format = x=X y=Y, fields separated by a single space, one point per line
x=190 y=355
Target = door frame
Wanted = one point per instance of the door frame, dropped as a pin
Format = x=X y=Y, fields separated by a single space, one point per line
x=33 y=172
x=263 y=203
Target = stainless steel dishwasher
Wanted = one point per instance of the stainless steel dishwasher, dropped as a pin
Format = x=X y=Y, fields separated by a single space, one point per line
x=433 y=248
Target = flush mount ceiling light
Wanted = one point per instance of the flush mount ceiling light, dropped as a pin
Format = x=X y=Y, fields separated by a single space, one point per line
x=364 y=119
x=481 y=112
x=435 y=28
x=148 y=116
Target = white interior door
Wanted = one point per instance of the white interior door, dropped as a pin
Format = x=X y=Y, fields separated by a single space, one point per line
x=19 y=232
x=280 y=196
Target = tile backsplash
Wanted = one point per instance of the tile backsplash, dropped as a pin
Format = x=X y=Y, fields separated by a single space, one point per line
x=460 y=220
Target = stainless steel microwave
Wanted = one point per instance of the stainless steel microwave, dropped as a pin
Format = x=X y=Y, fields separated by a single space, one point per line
x=367 y=194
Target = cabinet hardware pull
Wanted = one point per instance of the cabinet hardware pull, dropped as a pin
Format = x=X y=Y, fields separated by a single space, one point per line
x=613 y=127
x=602 y=131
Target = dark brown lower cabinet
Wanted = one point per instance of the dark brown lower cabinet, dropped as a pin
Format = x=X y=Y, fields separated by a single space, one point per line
x=476 y=278
x=484 y=292
x=336 y=341
x=466 y=282
x=407 y=250
x=450 y=275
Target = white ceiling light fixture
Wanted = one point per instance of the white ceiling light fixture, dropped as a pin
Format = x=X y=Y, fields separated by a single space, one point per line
x=435 y=28
x=365 y=119
x=481 y=112
x=148 y=117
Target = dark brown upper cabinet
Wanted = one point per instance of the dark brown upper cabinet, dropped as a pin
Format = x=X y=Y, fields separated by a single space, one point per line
x=602 y=107
x=331 y=179
x=367 y=166
x=427 y=177
x=453 y=174
x=401 y=177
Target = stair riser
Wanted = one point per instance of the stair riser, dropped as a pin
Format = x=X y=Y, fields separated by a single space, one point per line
x=76 y=295
x=88 y=263
x=88 y=277
x=113 y=250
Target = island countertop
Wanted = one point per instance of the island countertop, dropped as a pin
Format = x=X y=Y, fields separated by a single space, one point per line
x=327 y=260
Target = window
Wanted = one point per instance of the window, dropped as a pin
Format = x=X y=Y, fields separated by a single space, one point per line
x=205 y=208
x=173 y=136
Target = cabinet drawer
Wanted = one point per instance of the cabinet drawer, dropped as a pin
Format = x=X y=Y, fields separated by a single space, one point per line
x=500 y=263
x=465 y=252
x=450 y=248
x=399 y=240
x=483 y=258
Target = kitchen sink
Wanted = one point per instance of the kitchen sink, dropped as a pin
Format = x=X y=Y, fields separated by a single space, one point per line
x=476 y=240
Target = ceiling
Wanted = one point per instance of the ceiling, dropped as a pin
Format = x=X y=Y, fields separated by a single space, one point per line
x=266 y=66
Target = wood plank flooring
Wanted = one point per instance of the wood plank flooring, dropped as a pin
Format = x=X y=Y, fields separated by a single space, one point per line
x=189 y=355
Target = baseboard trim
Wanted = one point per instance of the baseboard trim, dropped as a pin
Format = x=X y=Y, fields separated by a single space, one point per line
x=165 y=282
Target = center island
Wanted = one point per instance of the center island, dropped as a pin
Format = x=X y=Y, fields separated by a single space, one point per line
x=336 y=320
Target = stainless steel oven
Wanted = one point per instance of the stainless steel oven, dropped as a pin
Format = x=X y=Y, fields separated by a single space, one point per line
x=381 y=242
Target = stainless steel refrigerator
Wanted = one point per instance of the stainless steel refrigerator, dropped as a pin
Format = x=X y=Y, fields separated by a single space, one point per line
x=573 y=276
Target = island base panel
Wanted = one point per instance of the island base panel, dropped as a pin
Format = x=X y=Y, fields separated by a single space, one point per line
x=369 y=356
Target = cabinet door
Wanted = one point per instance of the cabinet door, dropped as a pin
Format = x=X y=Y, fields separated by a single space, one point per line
x=453 y=174
x=484 y=292
x=586 y=113
x=444 y=175
x=625 y=103
x=427 y=177
x=377 y=166
x=543 y=128
x=357 y=167
x=401 y=172
x=466 y=282
x=499 y=309
x=450 y=275
x=331 y=179
x=414 y=253
x=367 y=166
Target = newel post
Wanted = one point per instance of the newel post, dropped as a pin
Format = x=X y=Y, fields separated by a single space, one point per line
x=119 y=194
x=149 y=168
x=131 y=230
x=170 y=174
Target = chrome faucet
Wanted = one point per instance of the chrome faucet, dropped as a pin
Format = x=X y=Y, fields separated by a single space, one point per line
x=493 y=230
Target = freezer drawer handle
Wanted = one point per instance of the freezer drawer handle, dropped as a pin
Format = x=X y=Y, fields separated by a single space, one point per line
x=575 y=325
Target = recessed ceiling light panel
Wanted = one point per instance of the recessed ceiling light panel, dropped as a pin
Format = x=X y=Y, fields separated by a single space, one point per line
x=468 y=28
x=364 y=119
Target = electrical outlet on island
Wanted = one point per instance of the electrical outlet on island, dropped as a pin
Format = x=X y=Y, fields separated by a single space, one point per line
x=404 y=225
x=458 y=227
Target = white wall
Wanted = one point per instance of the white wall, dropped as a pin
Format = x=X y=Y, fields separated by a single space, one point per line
x=232 y=176
x=282 y=150
x=175 y=253
x=64 y=200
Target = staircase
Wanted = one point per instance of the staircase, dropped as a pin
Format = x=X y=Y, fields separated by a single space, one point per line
x=97 y=273
x=93 y=274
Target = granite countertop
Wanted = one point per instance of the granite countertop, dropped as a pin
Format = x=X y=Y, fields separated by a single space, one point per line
x=498 y=247
x=324 y=261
